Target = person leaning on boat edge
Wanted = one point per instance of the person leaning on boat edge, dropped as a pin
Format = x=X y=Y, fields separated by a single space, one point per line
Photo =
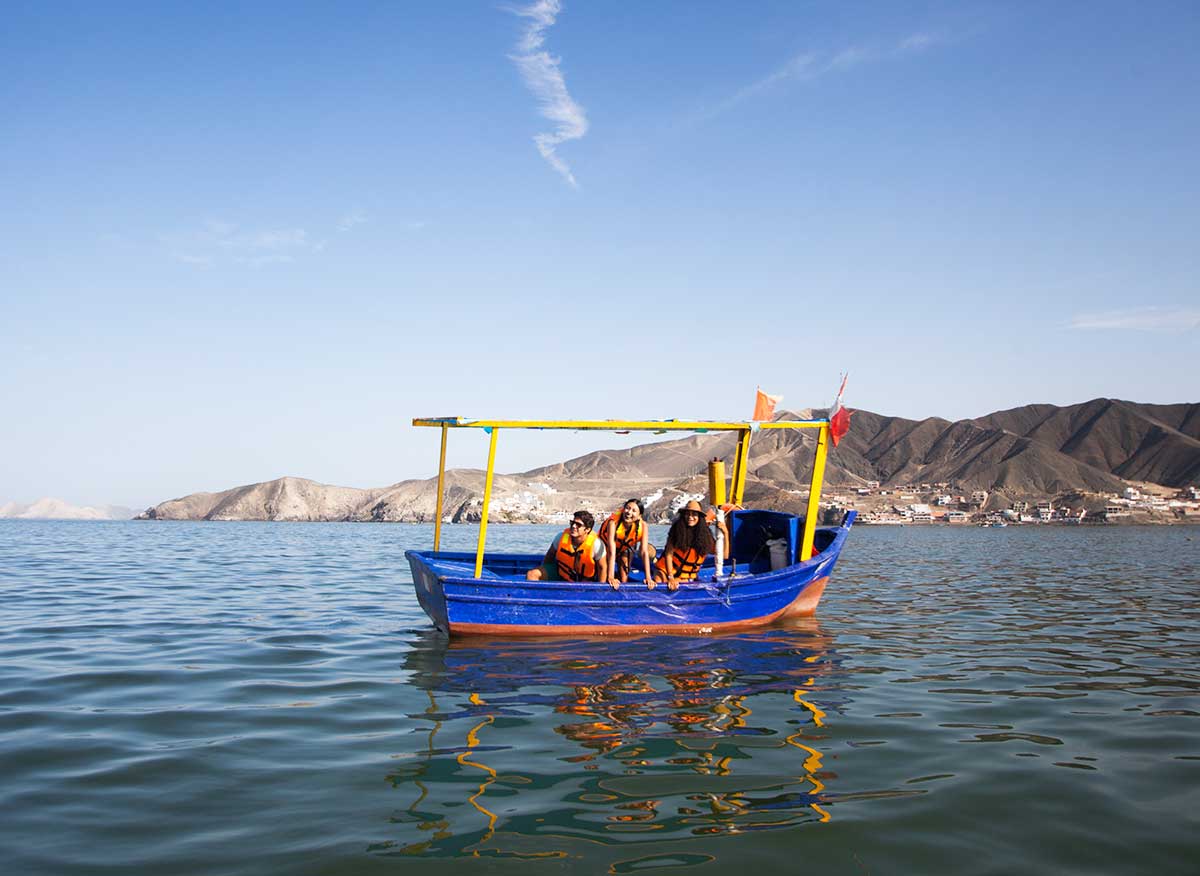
x=626 y=536
x=689 y=543
x=576 y=555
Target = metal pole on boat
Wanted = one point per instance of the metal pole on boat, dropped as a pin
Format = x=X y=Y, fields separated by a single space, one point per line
x=716 y=483
x=716 y=498
x=814 y=494
x=487 y=500
x=437 y=520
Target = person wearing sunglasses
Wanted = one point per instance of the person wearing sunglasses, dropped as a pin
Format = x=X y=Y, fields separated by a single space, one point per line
x=576 y=555
x=689 y=542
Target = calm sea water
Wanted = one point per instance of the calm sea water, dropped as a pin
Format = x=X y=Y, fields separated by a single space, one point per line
x=248 y=698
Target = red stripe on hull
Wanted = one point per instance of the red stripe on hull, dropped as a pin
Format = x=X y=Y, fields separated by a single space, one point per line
x=804 y=604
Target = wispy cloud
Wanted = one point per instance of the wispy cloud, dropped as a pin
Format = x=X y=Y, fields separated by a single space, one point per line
x=351 y=219
x=219 y=241
x=918 y=42
x=1140 y=319
x=809 y=66
x=544 y=79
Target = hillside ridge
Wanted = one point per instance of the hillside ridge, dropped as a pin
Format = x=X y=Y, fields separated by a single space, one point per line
x=1029 y=453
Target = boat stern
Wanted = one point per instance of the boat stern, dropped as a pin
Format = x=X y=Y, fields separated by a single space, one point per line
x=428 y=585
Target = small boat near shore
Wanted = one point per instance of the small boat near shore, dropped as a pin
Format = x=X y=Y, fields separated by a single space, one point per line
x=778 y=563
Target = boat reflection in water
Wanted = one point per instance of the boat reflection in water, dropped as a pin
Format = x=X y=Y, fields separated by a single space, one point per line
x=529 y=747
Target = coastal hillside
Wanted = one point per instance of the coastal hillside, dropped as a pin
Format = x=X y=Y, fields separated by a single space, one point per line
x=1158 y=444
x=287 y=498
x=1025 y=454
x=49 y=508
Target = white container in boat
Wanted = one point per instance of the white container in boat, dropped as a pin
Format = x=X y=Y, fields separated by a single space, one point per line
x=778 y=550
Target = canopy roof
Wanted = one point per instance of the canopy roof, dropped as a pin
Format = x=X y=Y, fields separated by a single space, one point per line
x=744 y=428
x=620 y=425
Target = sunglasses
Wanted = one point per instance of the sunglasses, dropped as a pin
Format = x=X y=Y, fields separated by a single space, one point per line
x=578 y=523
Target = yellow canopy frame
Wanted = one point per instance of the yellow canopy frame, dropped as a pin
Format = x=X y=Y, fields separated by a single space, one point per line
x=741 y=458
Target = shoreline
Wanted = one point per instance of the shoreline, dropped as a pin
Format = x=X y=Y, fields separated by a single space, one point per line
x=1098 y=524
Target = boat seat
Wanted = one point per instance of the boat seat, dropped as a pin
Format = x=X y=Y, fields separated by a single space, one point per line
x=750 y=531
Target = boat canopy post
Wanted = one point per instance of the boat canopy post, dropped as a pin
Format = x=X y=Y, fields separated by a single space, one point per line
x=741 y=459
x=437 y=520
x=487 y=500
x=814 y=494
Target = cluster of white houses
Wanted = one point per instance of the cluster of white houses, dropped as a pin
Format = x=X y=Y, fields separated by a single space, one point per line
x=1185 y=503
x=935 y=503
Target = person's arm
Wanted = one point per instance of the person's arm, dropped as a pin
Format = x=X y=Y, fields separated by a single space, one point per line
x=725 y=531
x=610 y=559
x=672 y=581
x=646 y=552
x=537 y=573
x=601 y=564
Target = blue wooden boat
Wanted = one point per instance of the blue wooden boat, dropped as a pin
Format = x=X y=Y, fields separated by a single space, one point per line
x=749 y=594
x=483 y=593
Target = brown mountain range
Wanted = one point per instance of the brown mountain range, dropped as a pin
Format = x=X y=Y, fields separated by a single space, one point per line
x=1031 y=452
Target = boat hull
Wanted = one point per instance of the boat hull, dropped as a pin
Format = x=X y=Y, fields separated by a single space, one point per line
x=502 y=602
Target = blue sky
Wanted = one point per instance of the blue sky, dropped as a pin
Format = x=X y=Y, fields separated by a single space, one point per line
x=241 y=241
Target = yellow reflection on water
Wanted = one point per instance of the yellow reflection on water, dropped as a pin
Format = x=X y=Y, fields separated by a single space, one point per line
x=640 y=724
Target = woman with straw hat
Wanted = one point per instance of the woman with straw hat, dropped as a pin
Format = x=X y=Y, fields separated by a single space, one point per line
x=689 y=543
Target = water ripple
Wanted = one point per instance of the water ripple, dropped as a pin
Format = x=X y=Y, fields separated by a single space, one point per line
x=248 y=698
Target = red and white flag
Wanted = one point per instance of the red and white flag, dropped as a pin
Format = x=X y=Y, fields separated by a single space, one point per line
x=839 y=417
x=764 y=405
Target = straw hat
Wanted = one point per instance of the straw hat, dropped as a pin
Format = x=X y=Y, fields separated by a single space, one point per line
x=693 y=505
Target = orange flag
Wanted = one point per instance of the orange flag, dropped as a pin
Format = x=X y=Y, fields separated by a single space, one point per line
x=764 y=405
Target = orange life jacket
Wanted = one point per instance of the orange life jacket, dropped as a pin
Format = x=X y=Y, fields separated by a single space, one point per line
x=687 y=563
x=624 y=537
x=576 y=564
